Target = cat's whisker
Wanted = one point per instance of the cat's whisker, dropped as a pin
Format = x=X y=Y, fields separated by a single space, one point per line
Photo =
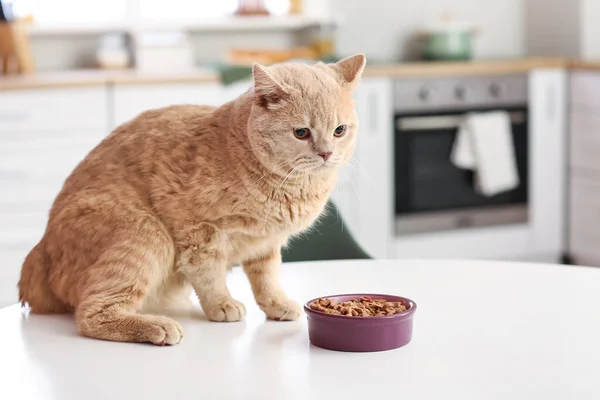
x=283 y=164
x=318 y=231
x=284 y=180
x=274 y=193
x=340 y=220
x=279 y=187
x=358 y=168
x=276 y=183
x=269 y=172
x=304 y=178
x=305 y=166
x=354 y=188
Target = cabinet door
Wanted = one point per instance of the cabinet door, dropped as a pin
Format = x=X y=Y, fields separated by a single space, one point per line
x=585 y=90
x=548 y=166
x=584 y=218
x=53 y=110
x=12 y=259
x=32 y=172
x=43 y=135
x=585 y=141
x=374 y=166
x=131 y=100
x=584 y=121
x=584 y=196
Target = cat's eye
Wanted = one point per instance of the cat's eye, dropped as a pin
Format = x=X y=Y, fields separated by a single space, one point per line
x=339 y=131
x=302 y=133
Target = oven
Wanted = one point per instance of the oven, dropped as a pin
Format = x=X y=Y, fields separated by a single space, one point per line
x=431 y=193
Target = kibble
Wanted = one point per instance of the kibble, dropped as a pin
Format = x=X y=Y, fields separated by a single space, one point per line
x=363 y=307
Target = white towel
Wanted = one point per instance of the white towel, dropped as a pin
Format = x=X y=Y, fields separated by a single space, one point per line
x=484 y=145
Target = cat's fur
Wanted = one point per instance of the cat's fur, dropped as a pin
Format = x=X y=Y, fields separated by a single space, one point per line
x=174 y=198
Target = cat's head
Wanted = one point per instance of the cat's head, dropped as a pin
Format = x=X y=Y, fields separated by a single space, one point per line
x=303 y=116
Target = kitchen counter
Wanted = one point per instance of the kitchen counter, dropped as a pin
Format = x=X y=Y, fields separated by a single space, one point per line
x=401 y=70
x=449 y=68
x=585 y=65
x=79 y=78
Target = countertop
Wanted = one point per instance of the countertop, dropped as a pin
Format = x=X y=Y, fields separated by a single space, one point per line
x=102 y=77
x=482 y=330
x=400 y=70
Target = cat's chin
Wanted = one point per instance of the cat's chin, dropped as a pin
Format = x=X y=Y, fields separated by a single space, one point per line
x=324 y=169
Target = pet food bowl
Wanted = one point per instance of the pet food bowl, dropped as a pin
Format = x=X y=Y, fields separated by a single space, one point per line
x=360 y=334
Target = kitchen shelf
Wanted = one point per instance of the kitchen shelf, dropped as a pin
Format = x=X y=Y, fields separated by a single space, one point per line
x=225 y=24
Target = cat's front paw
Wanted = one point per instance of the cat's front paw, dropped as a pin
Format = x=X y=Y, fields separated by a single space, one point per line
x=281 y=309
x=227 y=311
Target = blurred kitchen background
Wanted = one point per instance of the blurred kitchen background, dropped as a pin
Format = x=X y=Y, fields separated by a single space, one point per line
x=479 y=119
x=67 y=34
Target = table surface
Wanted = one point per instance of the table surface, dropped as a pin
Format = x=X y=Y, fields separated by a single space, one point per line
x=483 y=330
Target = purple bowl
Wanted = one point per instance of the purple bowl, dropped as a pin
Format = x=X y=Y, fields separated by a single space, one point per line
x=360 y=334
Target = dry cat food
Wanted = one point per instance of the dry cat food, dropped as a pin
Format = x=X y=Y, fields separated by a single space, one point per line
x=363 y=307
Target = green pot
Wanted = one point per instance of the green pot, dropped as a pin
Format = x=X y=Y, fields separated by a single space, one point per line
x=449 y=45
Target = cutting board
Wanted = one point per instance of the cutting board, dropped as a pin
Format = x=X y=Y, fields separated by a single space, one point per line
x=15 y=52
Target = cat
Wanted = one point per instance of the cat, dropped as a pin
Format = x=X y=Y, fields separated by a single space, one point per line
x=173 y=199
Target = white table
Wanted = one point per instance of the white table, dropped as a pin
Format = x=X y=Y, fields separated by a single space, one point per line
x=483 y=330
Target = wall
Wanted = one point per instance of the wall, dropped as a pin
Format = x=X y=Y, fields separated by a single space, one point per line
x=553 y=27
x=590 y=46
x=564 y=28
x=383 y=29
x=67 y=52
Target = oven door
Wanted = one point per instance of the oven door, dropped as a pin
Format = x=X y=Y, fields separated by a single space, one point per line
x=432 y=194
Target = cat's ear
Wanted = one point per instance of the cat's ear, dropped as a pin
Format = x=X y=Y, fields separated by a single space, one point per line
x=267 y=92
x=351 y=68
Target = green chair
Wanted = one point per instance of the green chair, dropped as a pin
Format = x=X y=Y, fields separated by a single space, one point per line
x=328 y=239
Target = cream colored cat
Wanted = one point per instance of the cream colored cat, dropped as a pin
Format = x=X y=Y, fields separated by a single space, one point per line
x=174 y=198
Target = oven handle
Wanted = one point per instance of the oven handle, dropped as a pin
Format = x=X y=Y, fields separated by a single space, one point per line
x=436 y=122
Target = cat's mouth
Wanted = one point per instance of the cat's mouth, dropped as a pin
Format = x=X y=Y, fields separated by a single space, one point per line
x=328 y=164
x=313 y=165
x=324 y=165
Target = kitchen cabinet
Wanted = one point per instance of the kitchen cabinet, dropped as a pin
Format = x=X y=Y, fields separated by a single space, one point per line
x=584 y=236
x=584 y=168
x=584 y=141
x=131 y=100
x=44 y=133
x=52 y=110
x=548 y=168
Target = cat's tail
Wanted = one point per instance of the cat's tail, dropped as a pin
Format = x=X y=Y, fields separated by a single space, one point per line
x=34 y=288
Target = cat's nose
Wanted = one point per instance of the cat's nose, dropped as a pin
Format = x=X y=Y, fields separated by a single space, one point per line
x=325 y=155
